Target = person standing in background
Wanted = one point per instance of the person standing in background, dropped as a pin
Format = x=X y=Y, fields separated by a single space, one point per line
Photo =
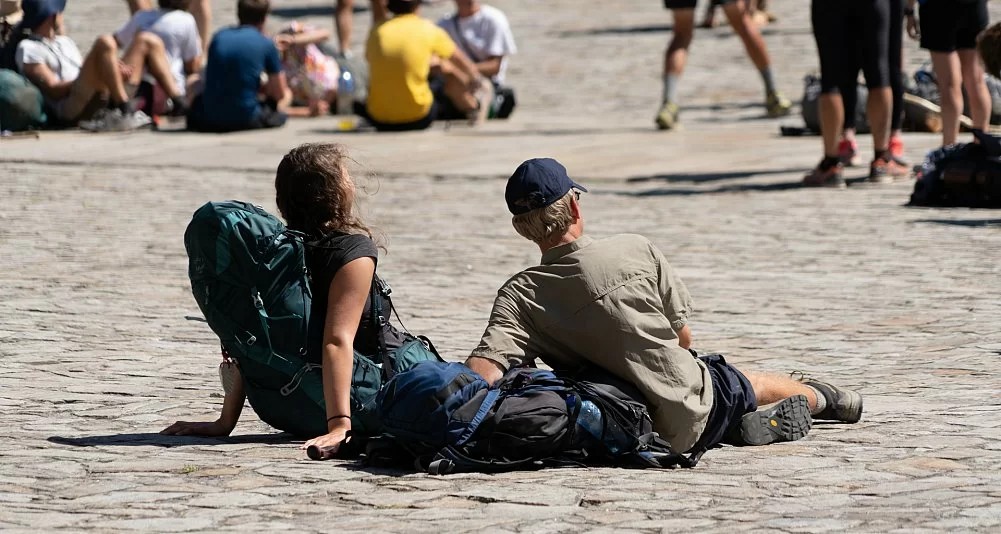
x=948 y=29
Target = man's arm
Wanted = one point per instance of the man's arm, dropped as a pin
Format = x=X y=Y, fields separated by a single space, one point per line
x=277 y=89
x=461 y=61
x=490 y=67
x=677 y=300
x=505 y=341
x=42 y=76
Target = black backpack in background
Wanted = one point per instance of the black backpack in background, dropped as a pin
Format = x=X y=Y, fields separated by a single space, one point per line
x=961 y=176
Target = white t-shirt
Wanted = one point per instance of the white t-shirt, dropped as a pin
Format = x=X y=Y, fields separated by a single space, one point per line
x=178 y=31
x=485 y=34
x=60 y=54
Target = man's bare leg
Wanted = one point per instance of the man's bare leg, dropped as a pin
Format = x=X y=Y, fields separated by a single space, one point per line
x=202 y=11
x=147 y=51
x=976 y=89
x=740 y=21
x=343 y=20
x=770 y=388
x=674 y=64
x=457 y=88
x=949 y=75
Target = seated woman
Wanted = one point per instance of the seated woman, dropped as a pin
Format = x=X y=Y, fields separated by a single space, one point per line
x=315 y=195
x=312 y=76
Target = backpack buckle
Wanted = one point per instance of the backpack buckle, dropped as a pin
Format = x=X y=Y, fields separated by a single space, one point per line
x=293 y=384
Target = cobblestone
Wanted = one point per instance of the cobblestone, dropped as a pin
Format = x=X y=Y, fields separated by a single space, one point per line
x=900 y=303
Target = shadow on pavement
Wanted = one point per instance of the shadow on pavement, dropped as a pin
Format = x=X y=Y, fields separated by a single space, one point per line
x=971 y=223
x=627 y=30
x=736 y=188
x=472 y=132
x=699 y=177
x=311 y=11
x=161 y=440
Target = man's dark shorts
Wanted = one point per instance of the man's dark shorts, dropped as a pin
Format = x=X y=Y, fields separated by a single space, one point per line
x=690 y=4
x=950 y=25
x=733 y=397
x=267 y=116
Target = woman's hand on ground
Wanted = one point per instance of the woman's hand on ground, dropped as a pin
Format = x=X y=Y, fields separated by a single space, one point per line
x=330 y=442
x=912 y=27
x=195 y=428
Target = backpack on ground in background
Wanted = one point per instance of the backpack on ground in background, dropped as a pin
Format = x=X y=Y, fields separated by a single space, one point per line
x=967 y=175
x=21 y=104
x=810 y=106
x=248 y=275
x=448 y=420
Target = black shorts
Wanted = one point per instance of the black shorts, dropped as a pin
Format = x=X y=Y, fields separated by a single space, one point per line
x=733 y=397
x=690 y=4
x=950 y=25
x=852 y=34
x=267 y=116
x=420 y=124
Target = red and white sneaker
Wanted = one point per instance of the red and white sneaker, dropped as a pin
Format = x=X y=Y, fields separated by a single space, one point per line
x=848 y=153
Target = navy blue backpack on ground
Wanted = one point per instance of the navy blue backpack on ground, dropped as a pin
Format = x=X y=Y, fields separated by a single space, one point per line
x=447 y=419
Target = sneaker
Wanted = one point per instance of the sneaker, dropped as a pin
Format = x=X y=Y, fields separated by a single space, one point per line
x=843 y=405
x=896 y=147
x=113 y=120
x=848 y=153
x=667 y=117
x=786 y=420
x=825 y=178
x=882 y=171
x=484 y=99
x=777 y=105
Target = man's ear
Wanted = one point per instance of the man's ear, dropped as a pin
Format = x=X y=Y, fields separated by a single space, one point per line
x=575 y=208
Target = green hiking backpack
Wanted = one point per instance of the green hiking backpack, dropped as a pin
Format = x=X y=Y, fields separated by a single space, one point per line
x=248 y=274
x=21 y=103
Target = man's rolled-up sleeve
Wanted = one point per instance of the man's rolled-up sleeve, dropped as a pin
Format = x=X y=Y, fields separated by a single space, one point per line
x=678 y=303
x=505 y=340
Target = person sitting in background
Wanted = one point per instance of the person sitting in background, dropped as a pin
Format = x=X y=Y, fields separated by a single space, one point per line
x=483 y=34
x=74 y=86
x=400 y=53
x=948 y=30
x=201 y=10
x=312 y=75
x=179 y=33
x=237 y=59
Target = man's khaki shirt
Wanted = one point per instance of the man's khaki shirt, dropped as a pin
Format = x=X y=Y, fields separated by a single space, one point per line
x=617 y=304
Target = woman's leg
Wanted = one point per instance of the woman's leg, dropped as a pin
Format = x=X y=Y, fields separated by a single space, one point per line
x=949 y=76
x=976 y=89
x=202 y=11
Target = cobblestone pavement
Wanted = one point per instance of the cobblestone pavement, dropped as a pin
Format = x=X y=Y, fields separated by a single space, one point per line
x=902 y=304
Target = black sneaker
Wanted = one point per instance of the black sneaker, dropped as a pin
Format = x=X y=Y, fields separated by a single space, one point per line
x=786 y=420
x=843 y=405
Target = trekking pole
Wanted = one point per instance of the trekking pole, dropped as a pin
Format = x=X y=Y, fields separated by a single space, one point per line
x=326 y=453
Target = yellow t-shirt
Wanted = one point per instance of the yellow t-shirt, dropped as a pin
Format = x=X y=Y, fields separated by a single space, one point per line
x=399 y=55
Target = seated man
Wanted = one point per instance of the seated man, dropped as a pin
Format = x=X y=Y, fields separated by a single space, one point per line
x=74 y=86
x=201 y=10
x=617 y=304
x=400 y=53
x=237 y=59
x=482 y=33
x=179 y=33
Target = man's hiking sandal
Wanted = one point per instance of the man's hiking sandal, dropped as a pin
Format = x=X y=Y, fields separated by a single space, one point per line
x=843 y=405
x=667 y=117
x=786 y=420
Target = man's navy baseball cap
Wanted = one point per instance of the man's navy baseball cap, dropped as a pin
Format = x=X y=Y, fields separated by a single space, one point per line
x=536 y=184
x=37 y=11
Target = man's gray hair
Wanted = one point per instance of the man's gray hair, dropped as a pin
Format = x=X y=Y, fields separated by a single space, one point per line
x=548 y=223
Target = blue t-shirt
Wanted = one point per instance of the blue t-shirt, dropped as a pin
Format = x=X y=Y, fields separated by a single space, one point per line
x=236 y=59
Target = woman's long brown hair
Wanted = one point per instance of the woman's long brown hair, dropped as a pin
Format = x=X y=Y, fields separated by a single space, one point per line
x=313 y=192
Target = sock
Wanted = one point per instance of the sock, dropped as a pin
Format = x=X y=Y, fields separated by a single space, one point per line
x=769 y=78
x=881 y=154
x=821 y=401
x=828 y=162
x=670 y=88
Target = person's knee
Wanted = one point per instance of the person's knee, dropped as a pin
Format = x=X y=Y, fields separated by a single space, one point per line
x=681 y=40
x=105 y=44
x=150 y=40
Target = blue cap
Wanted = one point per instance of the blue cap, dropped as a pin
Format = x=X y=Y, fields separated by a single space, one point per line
x=37 y=11
x=536 y=184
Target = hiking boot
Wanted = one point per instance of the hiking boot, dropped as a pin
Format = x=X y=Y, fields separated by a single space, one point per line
x=786 y=420
x=831 y=177
x=843 y=405
x=777 y=105
x=848 y=153
x=667 y=117
x=883 y=171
